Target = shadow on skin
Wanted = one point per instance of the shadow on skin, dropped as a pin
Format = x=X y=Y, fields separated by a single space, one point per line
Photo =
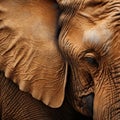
x=15 y=104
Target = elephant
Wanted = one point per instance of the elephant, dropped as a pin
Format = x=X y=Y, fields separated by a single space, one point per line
x=32 y=69
x=18 y=105
x=67 y=55
x=89 y=40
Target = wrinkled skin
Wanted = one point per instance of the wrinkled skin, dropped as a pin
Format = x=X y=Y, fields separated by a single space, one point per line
x=28 y=46
x=84 y=62
x=18 y=105
x=29 y=56
x=90 y=41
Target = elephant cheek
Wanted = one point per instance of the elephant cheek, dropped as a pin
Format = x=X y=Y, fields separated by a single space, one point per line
x=101 y=106
x=107 y=104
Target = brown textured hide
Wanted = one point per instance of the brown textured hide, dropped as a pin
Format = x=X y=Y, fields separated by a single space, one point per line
x=90 y=41
x=18 y=105
x=28 y=50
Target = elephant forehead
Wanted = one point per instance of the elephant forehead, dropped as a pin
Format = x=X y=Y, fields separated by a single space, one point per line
x=98 y=34
x=83 y=35
x=92 y=36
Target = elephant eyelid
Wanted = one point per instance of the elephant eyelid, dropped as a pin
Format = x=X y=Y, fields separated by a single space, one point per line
x=91 y=59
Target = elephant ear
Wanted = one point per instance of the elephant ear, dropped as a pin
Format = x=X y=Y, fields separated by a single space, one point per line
x=28 y=50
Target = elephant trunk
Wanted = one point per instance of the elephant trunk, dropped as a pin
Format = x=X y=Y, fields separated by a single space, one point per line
x=107 y=101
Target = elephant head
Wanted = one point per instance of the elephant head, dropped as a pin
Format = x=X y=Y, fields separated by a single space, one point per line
x=88 y=48
x=90 y=41
x=29 y=51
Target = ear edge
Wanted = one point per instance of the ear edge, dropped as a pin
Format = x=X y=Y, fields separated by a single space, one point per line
x=52 y=98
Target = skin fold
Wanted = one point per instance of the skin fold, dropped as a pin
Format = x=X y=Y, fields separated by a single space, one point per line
x=90 y=41
x=31 y=62
x=18 y=105
x=83 y=66
x=28 y=51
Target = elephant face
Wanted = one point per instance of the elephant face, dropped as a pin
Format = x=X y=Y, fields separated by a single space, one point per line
x=90 y=41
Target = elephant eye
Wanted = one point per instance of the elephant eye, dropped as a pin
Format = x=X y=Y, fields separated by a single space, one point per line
x=91 y=59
